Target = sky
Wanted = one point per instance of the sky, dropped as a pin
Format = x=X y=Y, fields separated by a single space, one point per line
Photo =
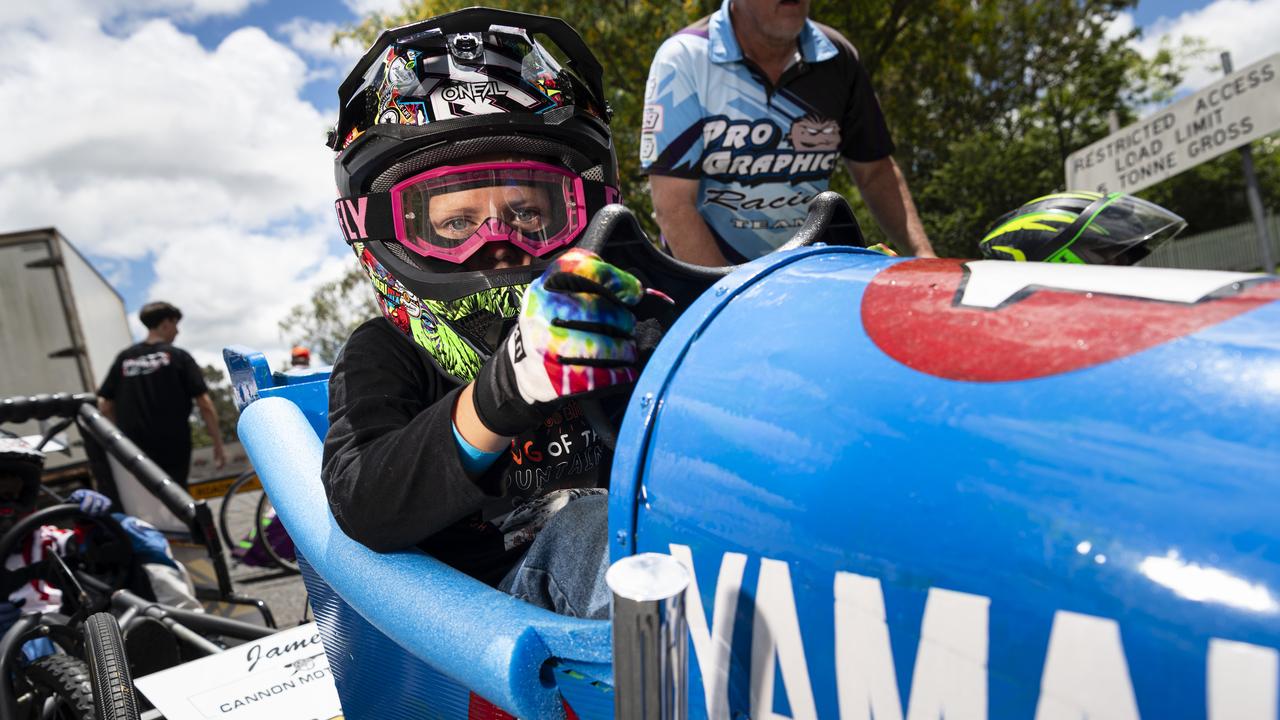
x=179 y=143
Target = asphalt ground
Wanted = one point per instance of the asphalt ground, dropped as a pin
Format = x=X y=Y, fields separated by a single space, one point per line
x=283 y=592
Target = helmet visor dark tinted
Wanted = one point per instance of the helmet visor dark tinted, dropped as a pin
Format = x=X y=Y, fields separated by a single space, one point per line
x=1123 y=223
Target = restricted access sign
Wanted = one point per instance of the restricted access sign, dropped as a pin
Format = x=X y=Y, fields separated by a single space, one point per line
x=1234 y=111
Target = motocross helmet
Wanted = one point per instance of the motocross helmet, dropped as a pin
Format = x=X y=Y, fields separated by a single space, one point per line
x=1082 y=227
x=468 y=102
x=20 y=467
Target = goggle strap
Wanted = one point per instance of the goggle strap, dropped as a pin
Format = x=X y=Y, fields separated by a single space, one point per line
x=366 y=217
x=598 y=194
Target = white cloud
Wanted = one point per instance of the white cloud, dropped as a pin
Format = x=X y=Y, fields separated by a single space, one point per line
x=364 y=7
x=315 y=39
x=1246 y=28
x=53 y=12
x=1120 y=26
x=139 y=144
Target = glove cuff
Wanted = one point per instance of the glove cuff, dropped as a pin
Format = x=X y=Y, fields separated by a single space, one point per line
x=498 y=402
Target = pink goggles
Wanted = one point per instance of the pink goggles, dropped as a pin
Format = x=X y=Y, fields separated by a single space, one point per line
x=450 y=212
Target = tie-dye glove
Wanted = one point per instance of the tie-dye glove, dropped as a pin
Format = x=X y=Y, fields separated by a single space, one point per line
x=573 y=336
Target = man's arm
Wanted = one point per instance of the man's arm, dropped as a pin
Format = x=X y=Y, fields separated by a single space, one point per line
x=884 y=189
x=107 y=408
x=675 y=202
x=211 y=422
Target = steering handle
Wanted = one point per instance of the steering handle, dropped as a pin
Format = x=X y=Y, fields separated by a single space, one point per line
x=42 y=407
x=21 y=530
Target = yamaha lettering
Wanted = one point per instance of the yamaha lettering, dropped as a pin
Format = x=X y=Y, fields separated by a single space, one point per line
x=753 y=636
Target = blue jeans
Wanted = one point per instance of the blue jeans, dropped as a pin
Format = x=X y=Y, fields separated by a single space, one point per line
x=564 y=567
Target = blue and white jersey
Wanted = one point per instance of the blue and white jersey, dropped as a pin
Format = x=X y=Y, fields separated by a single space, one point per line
x=761 y=152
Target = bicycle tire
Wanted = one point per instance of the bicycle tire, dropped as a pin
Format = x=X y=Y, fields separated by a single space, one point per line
x=65 y=679
x=229 y=541
x=261 y=521
x=113 y=696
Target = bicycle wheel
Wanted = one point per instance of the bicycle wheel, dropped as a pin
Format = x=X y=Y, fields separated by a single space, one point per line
x=113 y=696
x=61 y=688
x=236 y=515
x=275 y=539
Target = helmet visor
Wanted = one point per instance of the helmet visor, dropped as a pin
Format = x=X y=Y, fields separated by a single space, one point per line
x=1124 y=223
x=450 y=212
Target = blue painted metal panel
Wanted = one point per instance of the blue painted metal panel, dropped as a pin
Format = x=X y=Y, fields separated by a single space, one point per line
x=1138 y=493
x=312 y=398
x=249 y=372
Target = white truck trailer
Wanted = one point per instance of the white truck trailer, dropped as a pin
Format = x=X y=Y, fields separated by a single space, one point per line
x=61 y=325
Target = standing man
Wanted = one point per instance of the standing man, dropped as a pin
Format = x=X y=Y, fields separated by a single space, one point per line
x=746 y=114
x=149 y=390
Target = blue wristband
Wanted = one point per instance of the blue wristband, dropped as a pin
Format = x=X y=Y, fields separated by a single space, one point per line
x=474 y=460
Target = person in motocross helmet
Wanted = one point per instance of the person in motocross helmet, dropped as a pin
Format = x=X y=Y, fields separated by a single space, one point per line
x=469 y=161
x=1082 y=227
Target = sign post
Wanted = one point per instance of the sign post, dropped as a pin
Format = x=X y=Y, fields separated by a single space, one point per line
x=1251 y=192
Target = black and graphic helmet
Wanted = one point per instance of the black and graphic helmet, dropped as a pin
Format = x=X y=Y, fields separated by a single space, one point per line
x=1082 y=227
x=445 y=105
x=20 y=468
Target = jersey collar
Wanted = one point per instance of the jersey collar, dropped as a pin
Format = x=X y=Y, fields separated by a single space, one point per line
x=723 y=45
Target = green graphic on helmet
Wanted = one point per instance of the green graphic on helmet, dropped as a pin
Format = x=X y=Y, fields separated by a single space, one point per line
x=1081 y=227
x=431 y=323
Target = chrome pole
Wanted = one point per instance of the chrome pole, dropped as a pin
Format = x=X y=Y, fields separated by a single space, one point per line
x=650 y=645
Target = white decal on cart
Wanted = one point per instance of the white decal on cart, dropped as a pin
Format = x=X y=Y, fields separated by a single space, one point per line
x=1242 y=681
x=950 y=677
x=711 y=648
x=992 y=283
x=1085 y=672
x=775 y=638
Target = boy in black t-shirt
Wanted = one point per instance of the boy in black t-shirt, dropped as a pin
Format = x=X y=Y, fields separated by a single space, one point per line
x=149 y=390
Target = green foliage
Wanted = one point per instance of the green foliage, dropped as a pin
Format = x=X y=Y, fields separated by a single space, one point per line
x=224 y=407
x=323 y=323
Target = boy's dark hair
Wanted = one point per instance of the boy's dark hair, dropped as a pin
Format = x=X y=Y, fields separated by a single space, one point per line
x=154 y=313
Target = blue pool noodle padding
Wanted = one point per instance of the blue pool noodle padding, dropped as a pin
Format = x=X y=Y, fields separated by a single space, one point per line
x=430 y=620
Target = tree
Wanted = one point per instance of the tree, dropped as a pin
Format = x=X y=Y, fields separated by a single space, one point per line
x=325 y=321
x=224 y=407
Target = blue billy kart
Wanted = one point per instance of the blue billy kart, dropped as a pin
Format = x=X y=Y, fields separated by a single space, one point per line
x=902 y=488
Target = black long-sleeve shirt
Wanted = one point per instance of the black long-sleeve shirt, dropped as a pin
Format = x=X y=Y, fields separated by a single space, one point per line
x=392 y=470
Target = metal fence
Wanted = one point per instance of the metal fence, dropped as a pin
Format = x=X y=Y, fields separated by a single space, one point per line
x=1230 y=248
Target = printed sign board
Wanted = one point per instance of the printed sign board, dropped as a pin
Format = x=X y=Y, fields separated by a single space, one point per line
x=1234 y=111
x=285 y=675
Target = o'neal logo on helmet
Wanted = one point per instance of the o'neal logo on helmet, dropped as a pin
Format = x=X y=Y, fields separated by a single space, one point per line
x=417 y=88
x=426 y=322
